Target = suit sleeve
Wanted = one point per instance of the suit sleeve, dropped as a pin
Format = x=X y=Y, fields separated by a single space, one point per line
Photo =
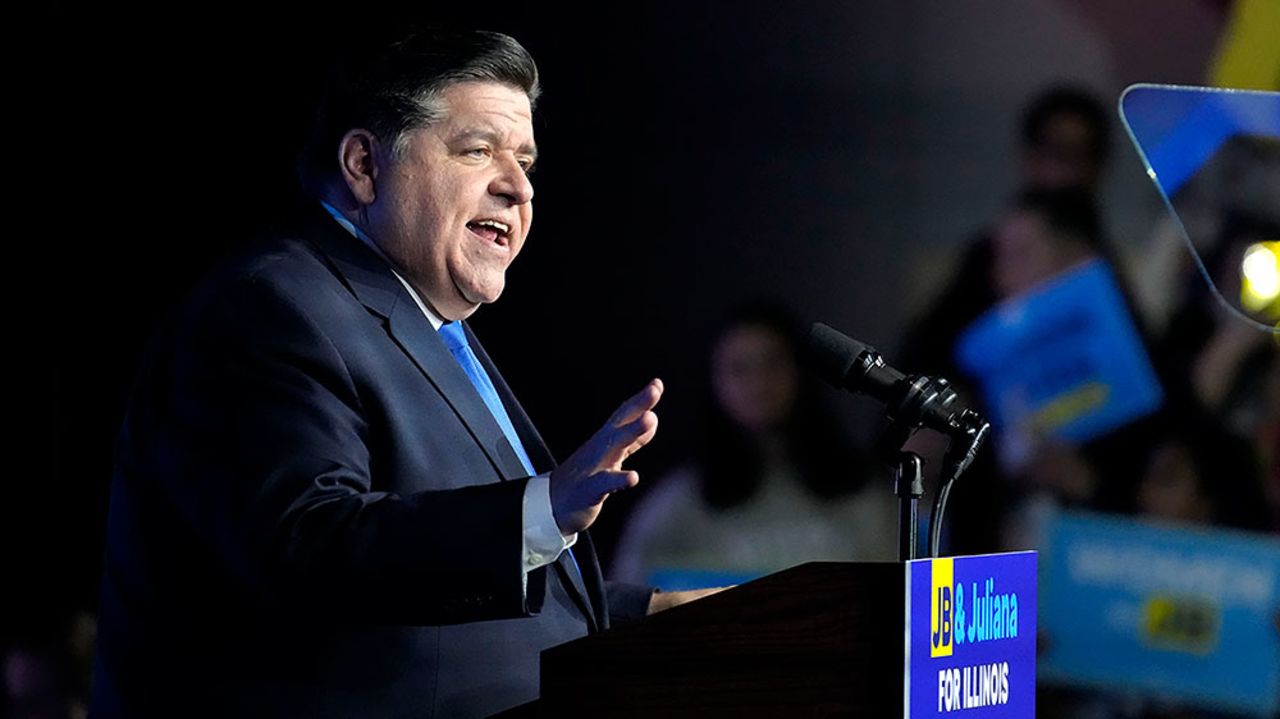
x=627 y=602
x=253 y=428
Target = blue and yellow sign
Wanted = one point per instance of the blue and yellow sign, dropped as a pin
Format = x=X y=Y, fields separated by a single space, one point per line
x=971 y=628
x=1186 y=614
x=942 y=609
x=1065 y=360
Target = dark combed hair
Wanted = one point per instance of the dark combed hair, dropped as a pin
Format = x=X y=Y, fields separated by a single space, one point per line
x=1066 y=100
x=395 y=88
x=730 y=461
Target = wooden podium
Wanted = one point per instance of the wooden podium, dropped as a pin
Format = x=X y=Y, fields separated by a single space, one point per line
x=920 y=639
x=819 y=639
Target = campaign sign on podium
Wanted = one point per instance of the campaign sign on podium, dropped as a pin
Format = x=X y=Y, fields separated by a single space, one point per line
x=971 y=637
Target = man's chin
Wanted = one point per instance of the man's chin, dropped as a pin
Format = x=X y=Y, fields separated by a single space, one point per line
x=471 y=298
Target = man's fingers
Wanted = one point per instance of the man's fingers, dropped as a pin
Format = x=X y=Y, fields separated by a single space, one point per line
x=637 y=404
x=642 y=440
x=606 y=482
x=628 y=438
x=618 y=439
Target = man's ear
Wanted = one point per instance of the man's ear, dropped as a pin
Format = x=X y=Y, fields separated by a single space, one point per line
x=358 y=162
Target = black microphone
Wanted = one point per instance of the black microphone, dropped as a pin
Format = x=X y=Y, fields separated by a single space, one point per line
x=917 y=401
x=910 y=403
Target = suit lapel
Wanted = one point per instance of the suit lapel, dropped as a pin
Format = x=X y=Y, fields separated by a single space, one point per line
x=418 y=338
x=589 y=565
x=373 y=283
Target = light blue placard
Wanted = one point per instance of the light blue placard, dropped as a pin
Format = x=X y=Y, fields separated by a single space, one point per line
x=1187 y=614
x=1064 y=360
x=971 y=637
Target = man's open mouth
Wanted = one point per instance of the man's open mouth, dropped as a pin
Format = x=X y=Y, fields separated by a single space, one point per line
x=491 y=230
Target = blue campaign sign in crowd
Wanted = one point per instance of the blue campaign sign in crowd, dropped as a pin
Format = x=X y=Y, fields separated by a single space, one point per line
x=1182 y=613
x=1064 y=360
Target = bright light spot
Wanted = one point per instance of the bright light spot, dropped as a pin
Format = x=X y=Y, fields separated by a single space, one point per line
x=1261 y=270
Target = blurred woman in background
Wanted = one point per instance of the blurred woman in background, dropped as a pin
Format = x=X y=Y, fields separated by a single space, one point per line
x=773 y=482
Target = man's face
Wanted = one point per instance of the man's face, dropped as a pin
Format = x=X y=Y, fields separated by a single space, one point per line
x=453 y=210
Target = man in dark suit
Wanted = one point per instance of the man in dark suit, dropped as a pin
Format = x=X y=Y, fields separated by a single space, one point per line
x=326 y=500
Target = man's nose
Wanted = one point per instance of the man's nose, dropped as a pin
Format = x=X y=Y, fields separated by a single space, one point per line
x=512 y=182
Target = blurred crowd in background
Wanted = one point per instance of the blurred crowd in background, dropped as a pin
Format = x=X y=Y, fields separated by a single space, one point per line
x=758 y=496
x=775 y=477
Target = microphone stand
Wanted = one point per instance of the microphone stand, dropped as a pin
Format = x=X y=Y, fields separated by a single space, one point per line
x=909 y=486
x=967 y=432
x=908 y=483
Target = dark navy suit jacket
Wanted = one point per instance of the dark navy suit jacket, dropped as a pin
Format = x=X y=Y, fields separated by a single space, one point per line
x=313 y=514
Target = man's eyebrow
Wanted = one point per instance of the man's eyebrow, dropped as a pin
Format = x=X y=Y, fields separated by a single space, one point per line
x=494 y=138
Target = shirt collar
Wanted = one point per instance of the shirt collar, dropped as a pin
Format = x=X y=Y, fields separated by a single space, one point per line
x=358 y=233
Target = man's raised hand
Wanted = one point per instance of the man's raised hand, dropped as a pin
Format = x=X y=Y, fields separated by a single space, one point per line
x=580 y=485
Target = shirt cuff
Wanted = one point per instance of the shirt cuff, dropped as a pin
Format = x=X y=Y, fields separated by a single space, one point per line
x=543 y=541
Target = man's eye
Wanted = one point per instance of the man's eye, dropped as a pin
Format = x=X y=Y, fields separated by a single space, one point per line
x=477 y=152
x=527 y=166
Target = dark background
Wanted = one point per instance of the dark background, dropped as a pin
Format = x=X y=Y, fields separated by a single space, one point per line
x=832 y=155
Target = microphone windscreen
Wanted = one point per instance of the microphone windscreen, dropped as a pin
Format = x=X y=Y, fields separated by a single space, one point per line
x=831 y=354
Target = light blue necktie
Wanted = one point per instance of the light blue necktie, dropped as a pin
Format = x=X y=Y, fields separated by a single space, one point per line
x=455 y=338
